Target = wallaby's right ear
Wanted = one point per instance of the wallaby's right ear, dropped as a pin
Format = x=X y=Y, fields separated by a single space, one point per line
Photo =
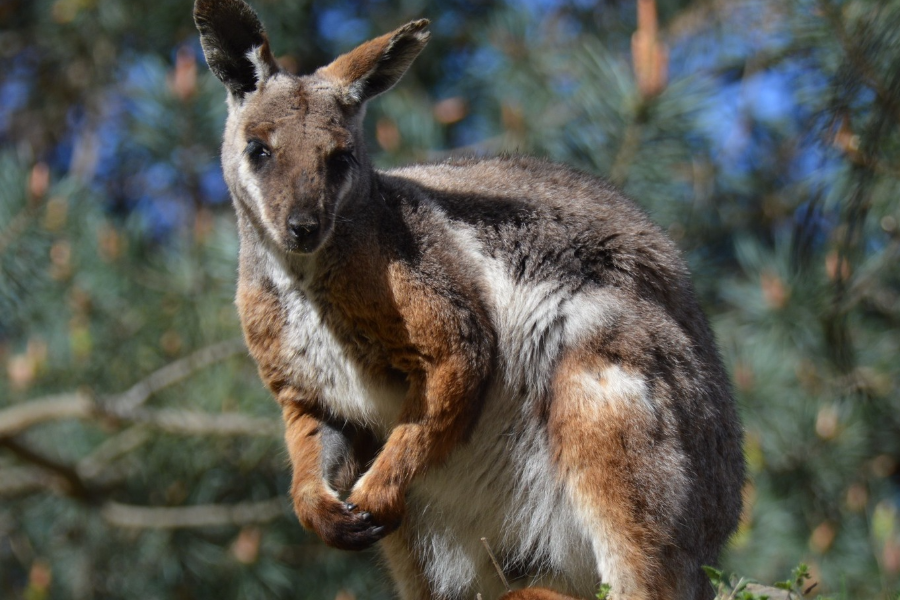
x=375 y=66
x=235 y=44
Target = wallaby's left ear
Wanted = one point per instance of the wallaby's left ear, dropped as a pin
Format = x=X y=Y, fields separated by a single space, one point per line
x=374 y=67
x=235 y=44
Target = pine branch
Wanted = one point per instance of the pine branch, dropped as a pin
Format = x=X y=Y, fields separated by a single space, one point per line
x=185 y=422
x=175 y=372
x=22 y=481
x=17 y=226
x=203 y=515
x=126 y=406
x=859 y=61
x=93 y=465
x=75 y=486
x=16 y=419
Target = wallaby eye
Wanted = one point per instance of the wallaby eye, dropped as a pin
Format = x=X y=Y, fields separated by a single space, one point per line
x=342 y=159
x=257 y=152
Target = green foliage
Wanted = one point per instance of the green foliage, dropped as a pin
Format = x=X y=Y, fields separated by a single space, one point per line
x=798 y=580
x=732 y=587
x=604 y=591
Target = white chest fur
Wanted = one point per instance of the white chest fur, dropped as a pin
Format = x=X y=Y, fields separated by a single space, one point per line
x=315 y=358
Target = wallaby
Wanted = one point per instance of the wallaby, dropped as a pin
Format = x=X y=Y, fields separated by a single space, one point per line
x=502 y=348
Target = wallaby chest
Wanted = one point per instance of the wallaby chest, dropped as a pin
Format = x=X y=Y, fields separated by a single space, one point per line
x=336 y=338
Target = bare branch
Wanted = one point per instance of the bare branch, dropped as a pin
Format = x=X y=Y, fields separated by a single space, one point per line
x=493 y=558
x=187 y=422
x=76 y=406
x=173 y=373
x=205 y=515
x=92 y=465
x=64 y=406
x=74 y=485
x=125 y=406
x=22 y=481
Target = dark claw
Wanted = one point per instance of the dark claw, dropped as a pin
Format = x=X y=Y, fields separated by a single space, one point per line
x=377 y=530
x=350 y=507
x=365 y=516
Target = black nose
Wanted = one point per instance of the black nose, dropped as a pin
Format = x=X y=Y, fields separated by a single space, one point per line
x=302 y=228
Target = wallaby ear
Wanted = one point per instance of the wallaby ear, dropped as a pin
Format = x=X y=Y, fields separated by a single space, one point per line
x=375 y=66
x=235 y=44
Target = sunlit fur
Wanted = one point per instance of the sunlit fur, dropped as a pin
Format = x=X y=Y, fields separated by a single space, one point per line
x=501 y=348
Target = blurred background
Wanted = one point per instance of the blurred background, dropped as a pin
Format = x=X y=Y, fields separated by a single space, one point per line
x=140 y=456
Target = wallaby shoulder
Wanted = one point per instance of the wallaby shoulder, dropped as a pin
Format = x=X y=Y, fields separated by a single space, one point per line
x=551 y=204
x=546 y=221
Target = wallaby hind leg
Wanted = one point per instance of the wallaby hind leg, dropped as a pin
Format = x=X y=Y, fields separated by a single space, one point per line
x=625 y=474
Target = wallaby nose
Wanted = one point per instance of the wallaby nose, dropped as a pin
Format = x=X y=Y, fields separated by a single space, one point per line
x=302 y=228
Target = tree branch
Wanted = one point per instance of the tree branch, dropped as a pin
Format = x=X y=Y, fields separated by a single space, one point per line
x=203 y=515
x=17 y=225
x=173 y=373
x=186 y=422
x=93 y=465
x=75 y=486
x=63 y=406
x=22 y=481
x=126 y=406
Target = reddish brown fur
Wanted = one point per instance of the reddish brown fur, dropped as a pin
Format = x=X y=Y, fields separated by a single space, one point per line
x=314 y=505
x=418 y=333
x=263 y=320
x=356 y=64
x=602 y=453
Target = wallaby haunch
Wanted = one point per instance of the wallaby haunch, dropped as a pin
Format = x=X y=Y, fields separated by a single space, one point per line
x=501 y=348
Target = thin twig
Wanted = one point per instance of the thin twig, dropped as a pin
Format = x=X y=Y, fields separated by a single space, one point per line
x=202 y=515
x=859 y=60
x=173 y=373
x=496 y=564
x=74 y=484
x=628 y=149
x=92 y=465
x=22 y=481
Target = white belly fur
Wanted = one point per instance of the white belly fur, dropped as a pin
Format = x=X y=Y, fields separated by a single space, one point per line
x=501 y=485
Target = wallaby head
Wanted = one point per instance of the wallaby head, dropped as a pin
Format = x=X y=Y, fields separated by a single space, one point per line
x=293 y=151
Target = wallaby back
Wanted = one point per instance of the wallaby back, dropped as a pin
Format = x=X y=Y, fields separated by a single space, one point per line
x=501 y=348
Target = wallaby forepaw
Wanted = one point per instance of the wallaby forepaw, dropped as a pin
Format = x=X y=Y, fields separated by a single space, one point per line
x=351 y=529
x=341 y=525
x=382 y=509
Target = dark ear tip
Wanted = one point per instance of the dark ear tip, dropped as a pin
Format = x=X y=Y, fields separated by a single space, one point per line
x=416 y=29
x=203 y=9
x=207 y=11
